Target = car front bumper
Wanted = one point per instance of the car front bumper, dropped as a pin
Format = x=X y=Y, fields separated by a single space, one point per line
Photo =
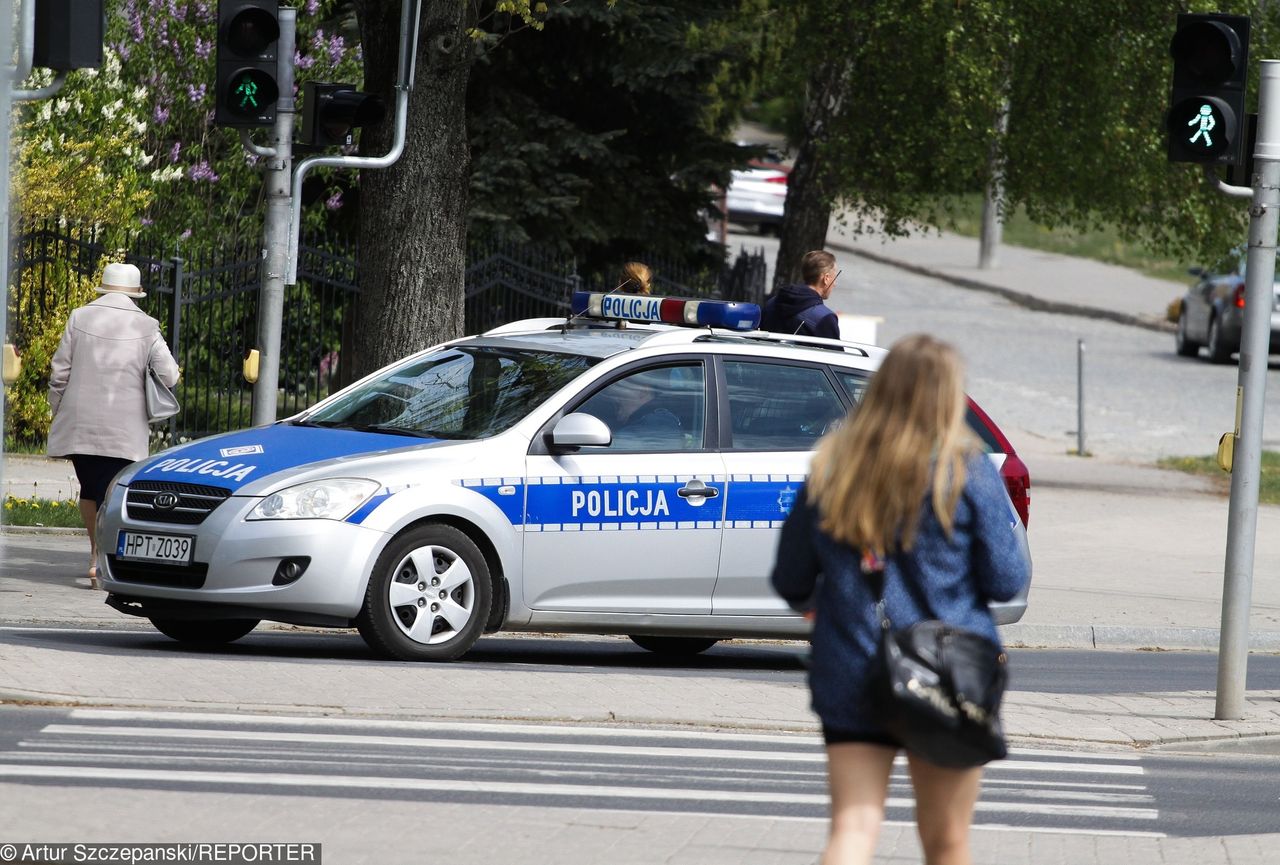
x=235 y=561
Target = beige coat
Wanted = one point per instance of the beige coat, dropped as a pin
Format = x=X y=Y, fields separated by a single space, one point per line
x=96 y=386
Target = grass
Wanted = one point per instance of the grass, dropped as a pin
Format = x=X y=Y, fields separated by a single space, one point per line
x=1268 y=483
x=41 y=512
x=1103 y=245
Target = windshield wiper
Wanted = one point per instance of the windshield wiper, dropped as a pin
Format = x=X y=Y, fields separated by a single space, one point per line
x=397 y=430
x=387 y=429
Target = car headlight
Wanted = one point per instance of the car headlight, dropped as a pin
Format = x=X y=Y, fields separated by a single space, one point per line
x=318 y=500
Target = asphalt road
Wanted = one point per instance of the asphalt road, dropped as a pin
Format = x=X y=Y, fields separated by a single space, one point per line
x=1142 y=401
x=1032 y=670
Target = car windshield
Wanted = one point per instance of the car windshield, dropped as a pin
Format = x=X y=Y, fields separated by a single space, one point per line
x=461 y=392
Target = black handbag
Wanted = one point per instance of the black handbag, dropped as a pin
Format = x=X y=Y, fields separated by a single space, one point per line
x=939 y=687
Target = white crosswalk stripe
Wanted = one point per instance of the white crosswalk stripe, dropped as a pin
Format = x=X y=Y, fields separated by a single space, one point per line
x=587 y=767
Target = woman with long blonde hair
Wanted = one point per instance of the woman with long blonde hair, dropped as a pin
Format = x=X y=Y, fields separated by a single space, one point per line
x=903 y=480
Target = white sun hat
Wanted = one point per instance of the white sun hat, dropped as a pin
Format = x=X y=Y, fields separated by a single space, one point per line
x=123 y=279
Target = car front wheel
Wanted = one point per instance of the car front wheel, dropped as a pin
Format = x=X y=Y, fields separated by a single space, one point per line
x=1218 y=352
x=674 y=646
x=1185 y=346
x=204 y=632
x=428 y=597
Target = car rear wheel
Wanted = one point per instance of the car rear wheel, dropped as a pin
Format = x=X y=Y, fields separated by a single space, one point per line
x=1218 y=353
x=674 y=646
x=428 y=597
x=204 y=632
x=1185 y=346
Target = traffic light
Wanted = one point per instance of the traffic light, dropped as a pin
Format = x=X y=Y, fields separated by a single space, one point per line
x=248 y=38
x=1206 y=117
x=332 y=112
x=68 y=34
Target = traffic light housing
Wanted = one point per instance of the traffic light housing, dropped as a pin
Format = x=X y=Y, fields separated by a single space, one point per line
x=332 y=112
x=68 y=34
x=1206 y=119
x=248 y=58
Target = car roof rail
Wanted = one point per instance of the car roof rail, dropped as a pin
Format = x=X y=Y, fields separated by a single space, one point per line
x=798 y=340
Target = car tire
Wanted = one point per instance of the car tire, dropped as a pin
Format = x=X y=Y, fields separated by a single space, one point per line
x=1218 y=353
x=674 y=647
x=204 y=632
x=1185 y=346
x=428 y=596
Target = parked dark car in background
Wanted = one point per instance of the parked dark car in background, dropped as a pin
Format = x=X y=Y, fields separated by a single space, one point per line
x=1211 y=314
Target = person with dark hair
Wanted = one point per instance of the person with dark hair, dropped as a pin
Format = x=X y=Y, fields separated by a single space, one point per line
x=96 y=390
x=903 y=482
x=800 y=308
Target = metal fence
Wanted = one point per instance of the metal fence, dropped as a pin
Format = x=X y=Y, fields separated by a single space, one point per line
x=206 y=303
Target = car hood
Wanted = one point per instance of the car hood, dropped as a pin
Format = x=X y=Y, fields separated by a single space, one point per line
x=236 y=460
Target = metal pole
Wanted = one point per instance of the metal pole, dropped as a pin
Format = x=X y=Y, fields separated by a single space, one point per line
x=275 y=244
x=992 y=225
x=1242 y=516
x=1080 y=451
x=6 y=103
x=175 y=332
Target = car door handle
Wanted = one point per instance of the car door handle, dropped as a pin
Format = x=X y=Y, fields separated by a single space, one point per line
x=697 y=488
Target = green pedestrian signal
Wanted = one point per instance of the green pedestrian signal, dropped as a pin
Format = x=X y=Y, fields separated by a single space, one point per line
x=1206 y=115
x=248 y=63
x=250 y=92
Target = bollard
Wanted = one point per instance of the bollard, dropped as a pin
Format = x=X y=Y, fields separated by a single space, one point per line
x=1080 y=449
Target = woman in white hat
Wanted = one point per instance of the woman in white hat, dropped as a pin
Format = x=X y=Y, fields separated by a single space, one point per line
x=96 y=389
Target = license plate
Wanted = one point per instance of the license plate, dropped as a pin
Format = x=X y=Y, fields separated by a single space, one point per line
x=138 y=546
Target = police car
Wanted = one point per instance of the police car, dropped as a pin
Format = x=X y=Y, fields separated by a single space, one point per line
x=625 y=471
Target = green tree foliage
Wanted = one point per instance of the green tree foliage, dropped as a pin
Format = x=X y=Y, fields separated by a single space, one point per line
x=605 y=133
x=1087 y=84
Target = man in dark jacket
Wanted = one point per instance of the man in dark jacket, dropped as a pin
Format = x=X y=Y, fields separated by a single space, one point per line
x=799 y=309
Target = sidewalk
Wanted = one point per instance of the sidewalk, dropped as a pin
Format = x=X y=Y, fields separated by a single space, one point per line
x=1038 y=280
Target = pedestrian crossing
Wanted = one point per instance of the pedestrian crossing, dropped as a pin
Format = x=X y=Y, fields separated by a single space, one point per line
x=586 y=767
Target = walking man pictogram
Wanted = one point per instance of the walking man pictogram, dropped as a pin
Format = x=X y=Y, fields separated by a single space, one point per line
x=1206 y=121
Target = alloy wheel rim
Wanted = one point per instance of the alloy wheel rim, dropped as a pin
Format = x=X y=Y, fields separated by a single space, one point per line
x=431 y=594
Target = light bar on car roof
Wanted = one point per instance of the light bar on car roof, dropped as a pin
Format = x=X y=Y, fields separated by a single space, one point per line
x=667 y=310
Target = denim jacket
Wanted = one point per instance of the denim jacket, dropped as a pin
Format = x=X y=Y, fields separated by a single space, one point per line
x=982 y=561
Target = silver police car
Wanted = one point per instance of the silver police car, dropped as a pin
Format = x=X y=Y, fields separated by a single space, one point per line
x=625 y=472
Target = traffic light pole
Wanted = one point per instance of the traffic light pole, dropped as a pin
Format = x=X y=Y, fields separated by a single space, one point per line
x=1251 y=385
x=7 y=84
x=276 y=238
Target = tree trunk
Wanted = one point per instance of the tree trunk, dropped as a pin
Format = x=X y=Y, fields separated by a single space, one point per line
x=808 y=209
x=413 y=215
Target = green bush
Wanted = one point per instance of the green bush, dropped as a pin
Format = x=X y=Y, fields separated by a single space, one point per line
x=27 y=414
x=40 y=512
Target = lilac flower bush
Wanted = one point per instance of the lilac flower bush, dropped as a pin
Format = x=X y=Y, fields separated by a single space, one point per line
x=149 y=113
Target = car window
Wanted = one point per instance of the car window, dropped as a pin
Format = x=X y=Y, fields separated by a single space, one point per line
x=658 y=409
x=463 y=392
x=854 y=383
x=779 y=406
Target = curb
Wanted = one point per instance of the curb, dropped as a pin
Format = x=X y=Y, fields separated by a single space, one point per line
x=1127 y=637
x=42 y=530
x=1029 y=301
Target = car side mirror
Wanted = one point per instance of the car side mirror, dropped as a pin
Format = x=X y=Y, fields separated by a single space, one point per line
x=580 y=430
x=1196 y=271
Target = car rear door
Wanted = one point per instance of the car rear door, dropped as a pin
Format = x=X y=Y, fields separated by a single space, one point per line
x=772 y=414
